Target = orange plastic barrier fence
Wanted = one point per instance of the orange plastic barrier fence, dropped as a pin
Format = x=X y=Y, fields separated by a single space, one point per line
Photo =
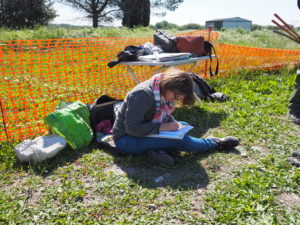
x=233 y=58
x=38 y=74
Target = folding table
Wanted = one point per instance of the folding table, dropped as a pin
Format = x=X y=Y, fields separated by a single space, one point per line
x=194 y=61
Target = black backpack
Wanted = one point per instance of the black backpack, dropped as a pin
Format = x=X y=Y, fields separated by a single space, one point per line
x=206 y=92
x=102 y=109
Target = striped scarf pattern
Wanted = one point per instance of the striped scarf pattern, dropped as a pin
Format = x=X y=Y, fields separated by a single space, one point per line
x=163 y=108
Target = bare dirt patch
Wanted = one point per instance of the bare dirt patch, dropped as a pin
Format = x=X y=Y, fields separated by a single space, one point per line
x=290 y=200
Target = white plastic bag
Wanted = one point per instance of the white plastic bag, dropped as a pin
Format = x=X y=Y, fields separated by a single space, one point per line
x=40 y=148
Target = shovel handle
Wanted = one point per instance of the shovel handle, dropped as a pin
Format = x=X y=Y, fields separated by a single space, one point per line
x=288 y=26
x=282 y=28
x=293 y=39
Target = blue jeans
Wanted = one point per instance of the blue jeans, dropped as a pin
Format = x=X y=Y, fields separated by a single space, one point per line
x=138 y=145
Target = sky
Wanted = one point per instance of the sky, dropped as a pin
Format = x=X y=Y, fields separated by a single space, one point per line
x=198 y=11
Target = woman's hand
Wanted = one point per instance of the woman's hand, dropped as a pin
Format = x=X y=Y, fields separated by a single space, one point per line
x=171 y=126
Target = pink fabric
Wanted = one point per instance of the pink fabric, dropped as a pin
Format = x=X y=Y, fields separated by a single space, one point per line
x=163 y=107
x=104 y=127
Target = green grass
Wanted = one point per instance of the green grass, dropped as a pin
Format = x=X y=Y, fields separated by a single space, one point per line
x=243 y=186
x=59 y=33
x=263 y=38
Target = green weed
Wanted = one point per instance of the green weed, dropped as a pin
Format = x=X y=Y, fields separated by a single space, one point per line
x=91 y=186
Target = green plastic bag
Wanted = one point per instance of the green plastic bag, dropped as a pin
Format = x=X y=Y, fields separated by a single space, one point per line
x=71 y=121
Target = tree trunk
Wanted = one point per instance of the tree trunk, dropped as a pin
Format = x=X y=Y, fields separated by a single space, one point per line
x=136 y=13
x=94 y=13
x=146 y=13
x=95 y=20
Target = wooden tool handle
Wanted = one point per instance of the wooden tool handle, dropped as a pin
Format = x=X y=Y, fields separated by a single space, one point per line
x=293 y=39
x=288 y=26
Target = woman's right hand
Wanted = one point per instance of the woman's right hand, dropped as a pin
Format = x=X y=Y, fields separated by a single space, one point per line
x=171 y=126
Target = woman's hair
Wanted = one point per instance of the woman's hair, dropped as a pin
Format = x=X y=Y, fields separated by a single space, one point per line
x=179 y=82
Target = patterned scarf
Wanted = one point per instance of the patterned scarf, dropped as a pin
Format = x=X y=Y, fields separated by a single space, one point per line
x=163 y=108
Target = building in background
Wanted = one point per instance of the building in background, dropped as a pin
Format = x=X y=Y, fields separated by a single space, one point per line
x=229 y=23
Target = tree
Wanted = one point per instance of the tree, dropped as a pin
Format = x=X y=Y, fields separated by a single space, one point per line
x=132 y=12
x=97 y=10
x=166 y=4
x=137 y=12
x=165 y=25
x=191 y=26
x=25 y=13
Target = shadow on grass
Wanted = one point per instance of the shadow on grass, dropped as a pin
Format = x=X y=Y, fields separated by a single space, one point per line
x=201 y=119
x=45 y=168
x=188 y=172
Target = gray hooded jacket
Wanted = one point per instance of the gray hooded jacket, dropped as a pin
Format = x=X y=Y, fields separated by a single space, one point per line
x=135 y=115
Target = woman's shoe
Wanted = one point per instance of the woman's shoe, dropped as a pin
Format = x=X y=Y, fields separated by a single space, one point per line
x=294 y=161
x=226 y=143
x=295 y=117
x=296 y=154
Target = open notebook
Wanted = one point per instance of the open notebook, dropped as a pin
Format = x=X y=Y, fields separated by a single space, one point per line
x=177 y=134
x=165 y=57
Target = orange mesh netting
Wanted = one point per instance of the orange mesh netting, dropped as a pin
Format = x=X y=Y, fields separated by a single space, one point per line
x=234 y=58
x=38 y=74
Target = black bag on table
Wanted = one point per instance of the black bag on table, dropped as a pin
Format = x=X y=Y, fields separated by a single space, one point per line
x=130 y=53
x=198 y=47
x=165 y=40
x=208 y=49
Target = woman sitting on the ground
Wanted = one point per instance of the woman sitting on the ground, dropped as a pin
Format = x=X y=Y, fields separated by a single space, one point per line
x=147 y=110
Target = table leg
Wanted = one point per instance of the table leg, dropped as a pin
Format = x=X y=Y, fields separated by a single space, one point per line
x=160 y=69
x=193 y=66
x=130 y=70
x=132 y=74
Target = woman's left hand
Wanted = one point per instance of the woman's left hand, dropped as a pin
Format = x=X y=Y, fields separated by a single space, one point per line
x=170 y=126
